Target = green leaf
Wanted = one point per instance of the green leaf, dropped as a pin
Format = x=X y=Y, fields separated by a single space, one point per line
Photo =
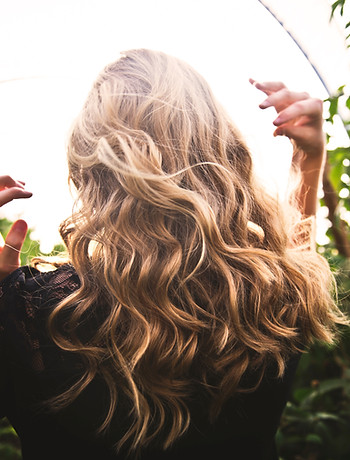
x=314 y=438
x=335 y=174
x=333 y=108
x=337 y=155
x=325 y=387
x=301 y=393
x=332 y=384
x=327 y=416
x=335 y=5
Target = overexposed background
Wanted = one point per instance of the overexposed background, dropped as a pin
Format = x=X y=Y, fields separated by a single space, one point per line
x=52 y=50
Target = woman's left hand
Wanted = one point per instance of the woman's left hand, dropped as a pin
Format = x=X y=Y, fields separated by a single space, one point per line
x=10 y=249
x=300 y=117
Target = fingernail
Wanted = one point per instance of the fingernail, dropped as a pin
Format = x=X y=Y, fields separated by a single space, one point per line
x=26 y=194
x=278 y=132
x=20 y=226
x=278 y=121
x=264 y=105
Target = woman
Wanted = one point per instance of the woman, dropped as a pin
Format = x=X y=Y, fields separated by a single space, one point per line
x=176 y=328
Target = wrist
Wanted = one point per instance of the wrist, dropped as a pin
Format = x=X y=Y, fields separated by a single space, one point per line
x=309 y=160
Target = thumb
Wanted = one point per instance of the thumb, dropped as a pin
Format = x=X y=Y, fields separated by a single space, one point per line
x=10 y=253
x=292 y=131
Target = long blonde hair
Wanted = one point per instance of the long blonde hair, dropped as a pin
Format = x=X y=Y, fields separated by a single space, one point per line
x=190 y=268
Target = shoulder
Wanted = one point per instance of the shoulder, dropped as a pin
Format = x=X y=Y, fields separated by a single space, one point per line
x=28 y=279
x=27 y=289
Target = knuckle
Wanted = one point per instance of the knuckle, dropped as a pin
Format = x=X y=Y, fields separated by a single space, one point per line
x=318 y=104
x=298 y=105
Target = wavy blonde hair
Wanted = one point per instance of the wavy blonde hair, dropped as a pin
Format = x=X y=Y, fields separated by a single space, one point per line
x=190 y=269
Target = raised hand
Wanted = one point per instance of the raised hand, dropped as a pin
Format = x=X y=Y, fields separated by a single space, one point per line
x=11 y=189
x=10 y=249
x=300 y=118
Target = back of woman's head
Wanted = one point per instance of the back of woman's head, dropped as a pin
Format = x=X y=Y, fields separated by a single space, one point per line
x=152 y=114
x=186 y=265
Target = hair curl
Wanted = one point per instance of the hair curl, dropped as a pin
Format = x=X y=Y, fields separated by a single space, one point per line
x=193 y=271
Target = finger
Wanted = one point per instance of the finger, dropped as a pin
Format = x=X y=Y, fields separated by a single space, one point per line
x=10 y=253
x=282 y=99
x=7 y=181
x=294 y=132
x=311 y=108
x=268 y=87
x=303 y=138
x=13 y=193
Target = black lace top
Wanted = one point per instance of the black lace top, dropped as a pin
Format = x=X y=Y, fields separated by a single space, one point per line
x=34 y=369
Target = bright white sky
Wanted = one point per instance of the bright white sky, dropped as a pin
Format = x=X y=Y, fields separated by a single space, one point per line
x=54 y=49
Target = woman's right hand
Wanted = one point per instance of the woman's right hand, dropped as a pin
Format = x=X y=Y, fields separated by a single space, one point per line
x=10 y=249
x=300 y=119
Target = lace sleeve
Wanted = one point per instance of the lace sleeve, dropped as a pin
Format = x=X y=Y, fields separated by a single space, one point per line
x=9 y=300
x=26 y=297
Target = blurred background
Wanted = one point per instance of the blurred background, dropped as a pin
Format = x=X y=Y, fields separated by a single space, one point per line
x=51 y=51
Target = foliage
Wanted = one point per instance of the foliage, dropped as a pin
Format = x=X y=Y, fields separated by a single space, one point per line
x=9 y=442
x=316 y=422
x=339 y=5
